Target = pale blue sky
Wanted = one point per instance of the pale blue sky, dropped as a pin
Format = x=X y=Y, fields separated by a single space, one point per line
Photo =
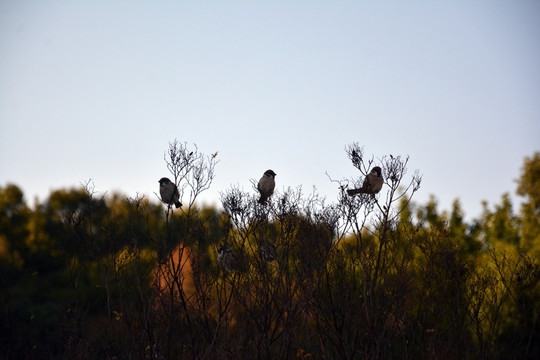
x=98 y=89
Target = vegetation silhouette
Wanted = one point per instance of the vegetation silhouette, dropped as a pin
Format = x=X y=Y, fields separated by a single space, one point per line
x=364 y=277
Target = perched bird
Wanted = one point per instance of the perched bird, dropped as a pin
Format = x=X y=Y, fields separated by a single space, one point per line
x=266 y=185
x=227 y=259
x=169 y=192
x=372 y=183
x=267 y=250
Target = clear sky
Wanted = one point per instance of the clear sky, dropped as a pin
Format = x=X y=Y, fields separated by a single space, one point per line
x=97 y=89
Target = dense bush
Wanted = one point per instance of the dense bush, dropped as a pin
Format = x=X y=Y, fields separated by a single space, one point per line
x=364 y=277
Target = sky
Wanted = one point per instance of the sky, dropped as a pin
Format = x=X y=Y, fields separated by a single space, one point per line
x=97 y=90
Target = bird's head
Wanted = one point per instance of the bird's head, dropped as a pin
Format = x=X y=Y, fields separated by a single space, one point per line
x=270 y=173
x=376 y=170
x=224 y=249
x=164 y=180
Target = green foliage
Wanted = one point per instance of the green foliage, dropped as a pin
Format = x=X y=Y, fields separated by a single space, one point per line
x=529 y=188
x=14 y=219
x=100 y=277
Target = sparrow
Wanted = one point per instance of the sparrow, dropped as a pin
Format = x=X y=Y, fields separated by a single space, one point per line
x=169 y=192
x=266 y=185
x=372 y=183
x=227 y=259
x=267 y=250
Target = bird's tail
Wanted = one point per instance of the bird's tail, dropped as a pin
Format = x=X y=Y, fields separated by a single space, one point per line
x=353 y=192
x=178 y=204
x=262 y=200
